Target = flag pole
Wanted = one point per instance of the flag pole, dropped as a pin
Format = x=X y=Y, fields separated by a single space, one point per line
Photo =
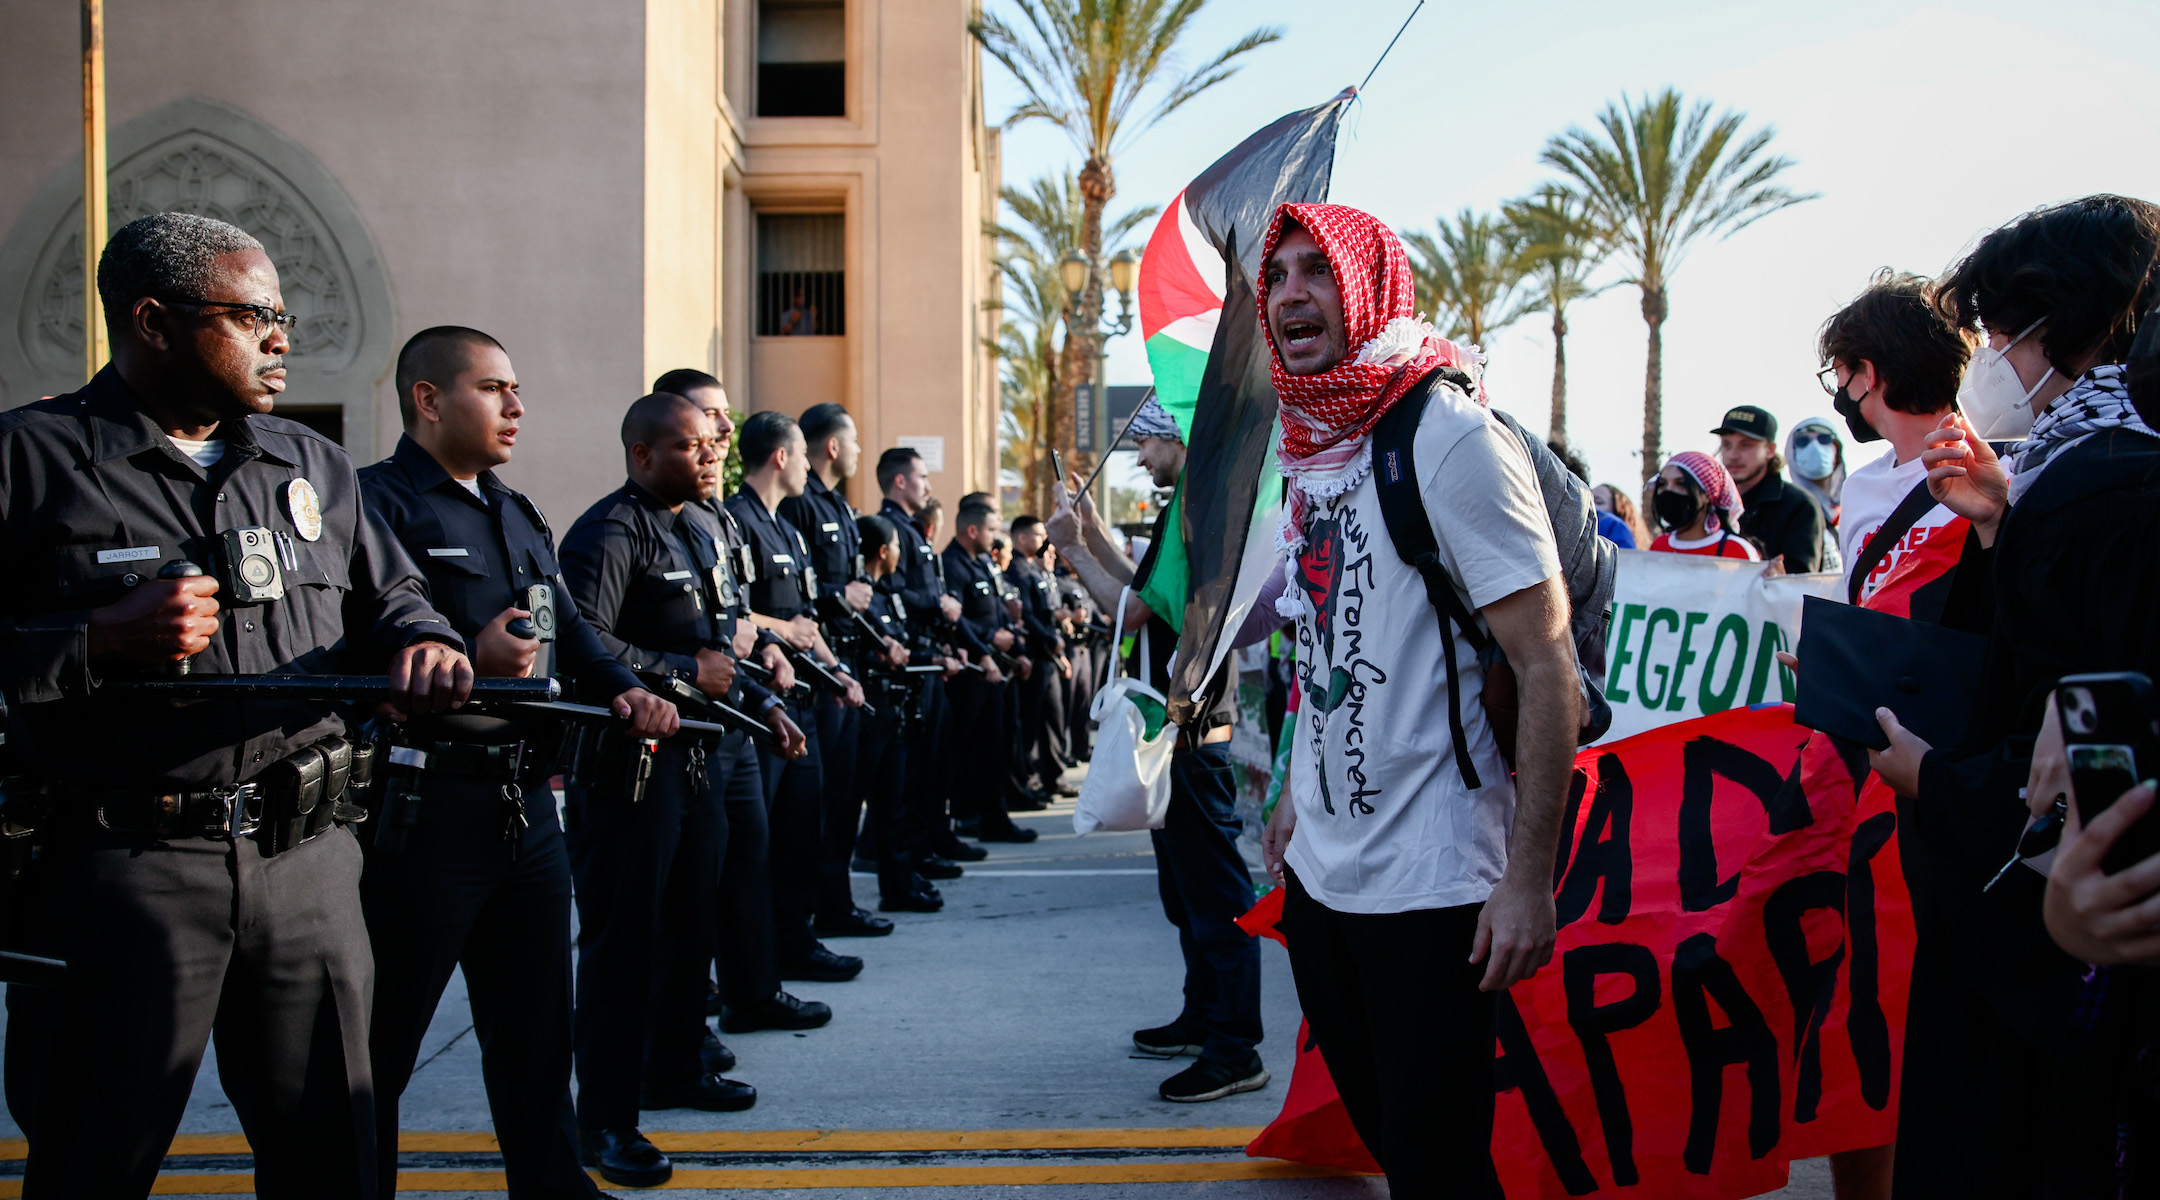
x=1391 y=45
x=1102 y=460
x=95 y=201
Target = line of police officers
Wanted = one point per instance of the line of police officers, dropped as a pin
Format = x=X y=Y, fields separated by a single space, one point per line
x=195 y=863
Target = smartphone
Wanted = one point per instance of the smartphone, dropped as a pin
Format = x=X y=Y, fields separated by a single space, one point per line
x=1057 y=468
x=2112 y=738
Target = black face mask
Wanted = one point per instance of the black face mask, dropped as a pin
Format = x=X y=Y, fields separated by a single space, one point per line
x=1849 y=408
x=1675 y=510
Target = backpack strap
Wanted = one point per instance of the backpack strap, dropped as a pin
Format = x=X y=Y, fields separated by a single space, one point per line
x=1916 y=504
x=1395 y=478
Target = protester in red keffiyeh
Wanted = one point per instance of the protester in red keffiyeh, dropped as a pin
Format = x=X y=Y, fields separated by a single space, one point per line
x=1327 y=418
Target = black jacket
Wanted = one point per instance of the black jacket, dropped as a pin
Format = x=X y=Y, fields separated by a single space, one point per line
x=1782 y=519
x=94 y=499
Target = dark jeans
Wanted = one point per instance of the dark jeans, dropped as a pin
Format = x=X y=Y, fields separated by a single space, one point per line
x=795 y=809
x=1205 y=888
x=645 y=885
x=450 y=896
x=838 y=731
x=1393 y=1002
x=169 y=944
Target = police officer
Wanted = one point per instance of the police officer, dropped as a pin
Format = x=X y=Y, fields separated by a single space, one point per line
x=883 y=748
x=980 y=775
x=827 y=524
x=462 y=869
x=1042 y=701
x=748 y=997
x=783 y=597
x=189 y=878
x=933 y=616
x=646 y=857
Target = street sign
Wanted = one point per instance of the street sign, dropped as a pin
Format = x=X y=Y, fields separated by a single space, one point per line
x=1084 y=438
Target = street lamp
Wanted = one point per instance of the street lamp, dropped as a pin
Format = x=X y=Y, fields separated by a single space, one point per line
x=1075 y=272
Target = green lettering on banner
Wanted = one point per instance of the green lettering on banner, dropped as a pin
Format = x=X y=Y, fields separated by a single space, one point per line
x=1642 y=669
x=1676 y=699
x=1615 y=682
x=1720 y=700
x=1773 y=640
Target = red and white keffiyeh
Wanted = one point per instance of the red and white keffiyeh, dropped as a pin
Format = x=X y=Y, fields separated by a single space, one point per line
x=1719 y=490
x=1327 y=419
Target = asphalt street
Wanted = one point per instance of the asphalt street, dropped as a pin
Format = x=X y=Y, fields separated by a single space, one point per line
x=985 y=1052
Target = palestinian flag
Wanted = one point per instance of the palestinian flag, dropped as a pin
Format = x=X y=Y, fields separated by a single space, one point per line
x=1198 y=277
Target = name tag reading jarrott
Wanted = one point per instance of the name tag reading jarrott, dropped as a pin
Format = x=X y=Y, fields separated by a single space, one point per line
x=131 y=554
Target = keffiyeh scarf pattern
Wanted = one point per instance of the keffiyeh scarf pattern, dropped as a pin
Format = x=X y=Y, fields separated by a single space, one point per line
x=1327 y=419
x=2098 y=400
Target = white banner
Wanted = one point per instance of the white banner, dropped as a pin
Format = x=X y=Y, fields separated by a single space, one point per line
x=1691 y=636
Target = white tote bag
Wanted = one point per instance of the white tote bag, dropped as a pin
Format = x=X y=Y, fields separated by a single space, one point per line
x=1128 y=780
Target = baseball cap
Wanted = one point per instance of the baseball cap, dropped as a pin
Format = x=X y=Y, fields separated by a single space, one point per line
x=1750 y=420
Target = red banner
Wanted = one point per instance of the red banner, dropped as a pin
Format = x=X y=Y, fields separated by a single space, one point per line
x=1728 y=989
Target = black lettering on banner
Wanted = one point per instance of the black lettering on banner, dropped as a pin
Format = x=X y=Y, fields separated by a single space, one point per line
x=1579 y=783
x=1610 y=858
x=1595 y=1023
x=1865 y=1024
x=1811 y=985
x=1721 y=698
x=1698 y=972
x=1517 y=1069
x=1704 y=761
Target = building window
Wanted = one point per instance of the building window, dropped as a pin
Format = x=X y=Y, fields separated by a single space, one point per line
x=802 y=275
x=802 y=58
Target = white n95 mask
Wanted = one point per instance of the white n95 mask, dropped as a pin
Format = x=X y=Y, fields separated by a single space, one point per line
x=1993 y=398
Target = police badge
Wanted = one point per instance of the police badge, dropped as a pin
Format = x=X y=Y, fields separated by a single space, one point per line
x=304 y=507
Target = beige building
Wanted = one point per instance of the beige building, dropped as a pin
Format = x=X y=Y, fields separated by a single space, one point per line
x=789 y=194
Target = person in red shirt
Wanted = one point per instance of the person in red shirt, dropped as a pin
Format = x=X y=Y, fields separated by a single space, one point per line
x=1699 y=507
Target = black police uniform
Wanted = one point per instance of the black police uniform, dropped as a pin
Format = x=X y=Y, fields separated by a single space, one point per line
x=172 y=928
x=464 y=869
x=1090 y=660
x=794 y=790
x=827 y=524
x=881 y=769
x=749 y=976
x=1042 y=696
x=979 y=777
x=919 y=584
x=647 y=870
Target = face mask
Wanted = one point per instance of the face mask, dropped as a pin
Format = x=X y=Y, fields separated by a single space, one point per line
x=1815 y=460
x=1993 y=398
x=1855 y=424
x=1676 y=510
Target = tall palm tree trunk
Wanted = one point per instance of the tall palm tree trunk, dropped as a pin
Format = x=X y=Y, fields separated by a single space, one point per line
x=1559 y=373
x=1097 y=186
x=1653 y=404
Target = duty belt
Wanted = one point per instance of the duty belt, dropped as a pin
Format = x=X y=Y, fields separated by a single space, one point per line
x=468 y=760
x=296 y=799
x=223 y=812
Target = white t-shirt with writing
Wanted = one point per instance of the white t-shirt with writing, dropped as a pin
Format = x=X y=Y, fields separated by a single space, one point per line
x=1871 y=494
x=1385 y=823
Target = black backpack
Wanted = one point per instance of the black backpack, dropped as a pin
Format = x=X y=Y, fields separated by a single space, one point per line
x=1588 y=564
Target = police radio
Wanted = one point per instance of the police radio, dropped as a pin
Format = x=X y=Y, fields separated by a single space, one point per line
x=249 y=560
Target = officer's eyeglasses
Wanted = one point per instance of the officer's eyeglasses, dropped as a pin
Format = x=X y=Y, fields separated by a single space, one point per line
x=263 y=315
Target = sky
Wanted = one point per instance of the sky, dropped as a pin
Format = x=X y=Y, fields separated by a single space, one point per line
x=1920 y=126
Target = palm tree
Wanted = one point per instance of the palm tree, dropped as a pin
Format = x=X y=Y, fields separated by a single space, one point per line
x=1085 y=66
x=1470 y=275
x=1045 y=219
x=1658 y=176
x=1560 y=250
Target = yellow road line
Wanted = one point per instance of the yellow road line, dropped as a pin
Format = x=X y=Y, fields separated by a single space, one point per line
x=839 y=1177
x=781 y=1140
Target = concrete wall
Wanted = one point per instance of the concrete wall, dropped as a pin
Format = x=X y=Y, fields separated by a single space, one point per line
x=578 y=179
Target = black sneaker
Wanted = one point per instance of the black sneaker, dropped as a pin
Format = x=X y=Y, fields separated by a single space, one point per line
x=821 y=966
x=1212 y=1081
x=1170 y=1041
x=708 y=1093
x=933 y=867
x=781 y=1012
x=714 y=1055
x=854 y=923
